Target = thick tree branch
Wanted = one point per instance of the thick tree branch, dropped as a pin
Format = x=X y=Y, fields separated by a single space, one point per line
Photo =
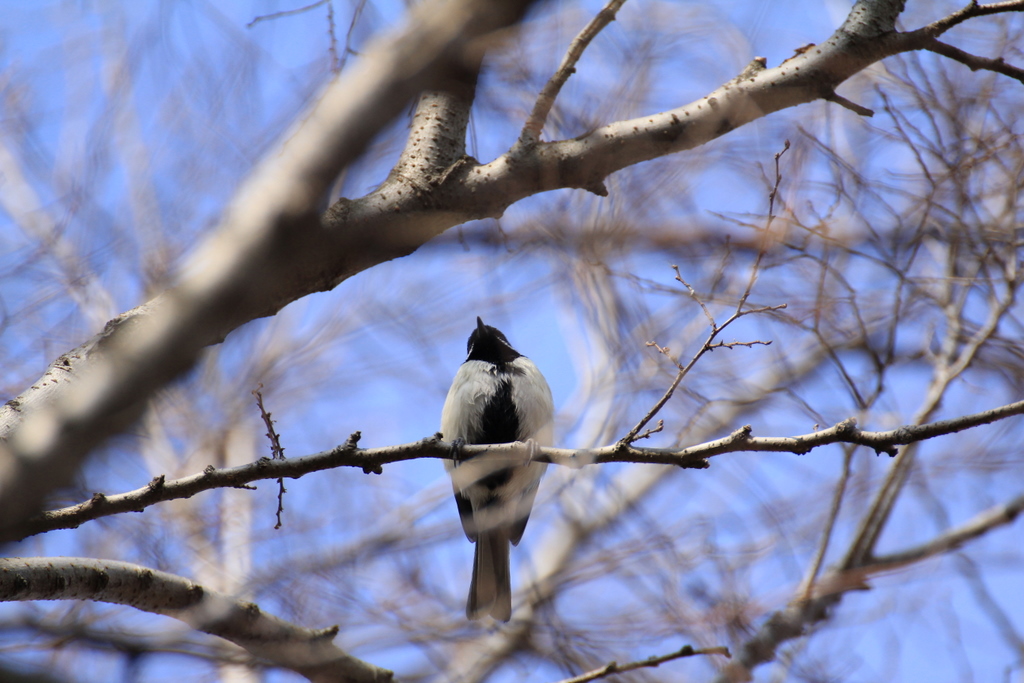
x=310 y=652
x=373 y=459
x=106 y=637
x=437 y=134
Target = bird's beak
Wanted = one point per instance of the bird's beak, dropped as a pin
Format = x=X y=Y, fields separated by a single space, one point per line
x=480 y=325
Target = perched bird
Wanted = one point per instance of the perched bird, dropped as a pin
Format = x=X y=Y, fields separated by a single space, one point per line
x=498 y=396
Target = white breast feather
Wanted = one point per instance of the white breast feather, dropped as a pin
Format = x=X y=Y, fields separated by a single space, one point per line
x=531 y=394
x=464 y=407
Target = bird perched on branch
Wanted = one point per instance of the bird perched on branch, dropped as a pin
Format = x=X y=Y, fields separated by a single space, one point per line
x=498 y=396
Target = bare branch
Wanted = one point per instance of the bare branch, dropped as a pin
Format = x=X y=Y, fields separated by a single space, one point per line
x=956 y=537
x=546 y=99
x=843 y=580
x=372 y=460
x=807 y=586
x=975 y=63
x=756 y=268
x=693 y=295
x=436 y=186
x=653 y=430
x=660 y=403
x=926 y=38
x=310 y=652
x=794 y=620
x=847 y=104
x=956 y=355
x=613 y=668
x=734 y=344
x=276 y=449
x=287 y=12
x=970 y=11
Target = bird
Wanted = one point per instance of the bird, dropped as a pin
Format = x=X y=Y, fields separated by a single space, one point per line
x=498 y=396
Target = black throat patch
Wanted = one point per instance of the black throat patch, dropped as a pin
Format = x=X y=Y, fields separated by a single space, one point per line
x=499 y=422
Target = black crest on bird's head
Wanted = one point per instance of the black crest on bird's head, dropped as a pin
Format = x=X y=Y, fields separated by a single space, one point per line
x=488 y=344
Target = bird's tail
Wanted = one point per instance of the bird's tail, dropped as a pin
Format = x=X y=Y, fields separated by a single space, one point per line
x=490 y=590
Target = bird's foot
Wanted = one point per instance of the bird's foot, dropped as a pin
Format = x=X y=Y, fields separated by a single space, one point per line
x=455 y=452
x=531 y=450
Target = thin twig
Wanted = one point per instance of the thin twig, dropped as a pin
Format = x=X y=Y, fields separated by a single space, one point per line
x=333 y=37
x=546 y=99
x=708 y=345
x=956 y=353
x=356 y=13
x=276 y=449
x=970 y=11
x=729 y=345
x=926 y=38
x=693 y=295
x=656 y=408
x=858 y=109
x=651 y=662
x=755 y=269
x=807 y=586
x=286 y=13
x=653 y=430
